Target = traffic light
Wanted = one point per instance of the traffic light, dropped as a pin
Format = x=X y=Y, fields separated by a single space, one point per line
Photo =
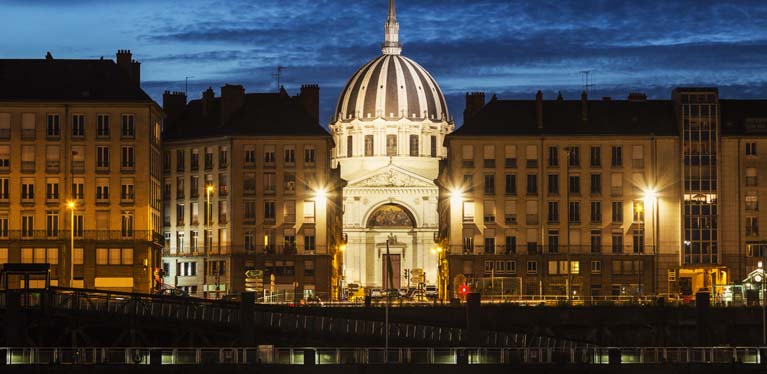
x=463 y=290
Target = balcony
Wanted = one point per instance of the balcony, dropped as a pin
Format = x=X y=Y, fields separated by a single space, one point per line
x=562 y=250
x=5 y=134
x=93 y=235
x=78 y=167
x=52 y=166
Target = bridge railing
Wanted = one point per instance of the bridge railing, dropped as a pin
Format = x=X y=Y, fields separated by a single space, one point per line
x=378 y=355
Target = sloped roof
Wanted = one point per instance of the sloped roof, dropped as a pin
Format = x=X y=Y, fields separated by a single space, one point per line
x=740 y=117
x=67 y=80
x=564 y=117
x=262 y=114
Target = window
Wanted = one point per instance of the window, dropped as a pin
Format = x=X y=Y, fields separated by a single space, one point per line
x=752 y=202
x=52 y=223
x=248 y=152
x=310 y=241
x=510 y=156
x=186 y=269
x=27 y=225
x=40 y=255
x=289 y=211
x=269 y=183
x=4 y=226
x=489 y=184
x=510 y=213
x=488 y=152
x=27 y=189
x=166 y=161
x=510 y=245
x=489 y=246
x=249 y=183
x=4 y=195
x=489 y=211
x=468 y=211
x=638 y=211
x=195 y=212
x=269 y=211
x=28 y=125
x=751 y=175
x=617 y=157
x=467 y=156
x=468 y=182
x=596 y=157
x=575 y=185
x=532 y=267
x=290 y=154
x=180 y=214
x=574 y=212
x=532 y=184
x=52 y=158
x=126 y=223
x=349 y=146
x=180 y=191
x=5 y=157
x=223 y=157
x=127 y=160
x=751 y=149
x=194 y=162
x=752 y=226
x=596 y=211
x=102 y=189
x=309 y=268
x=637 y=239
x=51 y=189
x=126 y=190
x=102 y=125
x=250 y=211
x=391 y=145
x=53 y=128
x=553 y=156
x=368 y=145
x=290 y=183
x=223 y=211
x=208 y=158
x=531 y=211
x=617 y=210
x=553 y=212
x=596 y=184
x=127 y=128
x=250 y=241
x=553 y=239
x=637 y=157
x=596 y=241
x=102 y=157
x=194 y=186
x=433 y=148
x=616 y=184
x=468 y=244
x=553 y=185
x=5 y=125
x=617 y=242
x=78 y=126
x=223 y=185
x=531 y=156
x=596 y=266
x=310 y=155
x=269 y=157
x=573 y=157
x=414 y=145
x=28 y=158
x=511 y=184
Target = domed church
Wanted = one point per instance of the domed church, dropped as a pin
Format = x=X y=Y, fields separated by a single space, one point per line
x=389 y=126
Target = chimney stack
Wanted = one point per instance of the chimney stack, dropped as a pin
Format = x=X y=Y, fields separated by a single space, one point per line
x=539 y=108
x=637 y=97
x=474 y=102
x=207 y=101
x=232 y=98
x=173 y=104
x=128 y=65
x=310 y=99
x=584 y=106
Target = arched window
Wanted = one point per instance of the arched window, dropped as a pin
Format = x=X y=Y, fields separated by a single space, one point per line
x=391 y=215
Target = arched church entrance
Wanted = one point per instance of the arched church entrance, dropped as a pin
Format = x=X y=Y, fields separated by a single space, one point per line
x=395 y=224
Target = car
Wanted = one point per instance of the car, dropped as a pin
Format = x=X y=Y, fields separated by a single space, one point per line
x=172 y=291
x=402 y=292
x=376 y=293
x=431 y=292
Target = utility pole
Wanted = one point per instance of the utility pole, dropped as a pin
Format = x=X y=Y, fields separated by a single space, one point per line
x=278 y=75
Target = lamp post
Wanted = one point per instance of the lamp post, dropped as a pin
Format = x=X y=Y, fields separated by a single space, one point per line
x=651 y=196
x=208 y=213
x=71 y=205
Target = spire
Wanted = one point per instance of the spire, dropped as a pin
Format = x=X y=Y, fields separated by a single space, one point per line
x=391 y=44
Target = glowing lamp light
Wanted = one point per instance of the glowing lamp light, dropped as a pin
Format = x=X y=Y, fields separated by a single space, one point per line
x=342 y=247
x=71 y=204
x=210 y=189
x=321 y=196
x=759 y=264
x=650 y=195
x=456 y=197
x=464 y=289
x=436 y=250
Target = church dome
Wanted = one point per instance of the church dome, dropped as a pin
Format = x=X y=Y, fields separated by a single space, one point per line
x=392 y=86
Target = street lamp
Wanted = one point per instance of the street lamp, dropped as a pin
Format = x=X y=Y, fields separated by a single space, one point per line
x=71 y=205
x=209 y=189
x=651 y=196
x=441 y=276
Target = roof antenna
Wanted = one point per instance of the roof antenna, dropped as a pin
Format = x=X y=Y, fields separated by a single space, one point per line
x=586 y=80
x=278 y=75
x=186 y=85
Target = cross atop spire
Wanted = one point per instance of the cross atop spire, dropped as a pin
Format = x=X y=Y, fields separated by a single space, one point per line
x=391 y=45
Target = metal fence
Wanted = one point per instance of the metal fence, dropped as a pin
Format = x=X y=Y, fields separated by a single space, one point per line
x=378 y=355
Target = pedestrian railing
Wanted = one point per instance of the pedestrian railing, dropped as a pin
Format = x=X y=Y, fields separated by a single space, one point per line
x=378 y=355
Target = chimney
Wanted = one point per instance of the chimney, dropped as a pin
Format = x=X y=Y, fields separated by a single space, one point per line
x=207 y=101
x=310 y=99
x=173 y=104
x=584 y=106
x=539 y=108
x=232 y=98
x=637 y=97
x=474 y=102
x=128 y=65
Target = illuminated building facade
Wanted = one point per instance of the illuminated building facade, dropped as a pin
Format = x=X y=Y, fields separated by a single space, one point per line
x=248 y=186
x=80 y=163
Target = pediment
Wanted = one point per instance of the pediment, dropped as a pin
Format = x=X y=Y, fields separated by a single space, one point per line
x=392 y=176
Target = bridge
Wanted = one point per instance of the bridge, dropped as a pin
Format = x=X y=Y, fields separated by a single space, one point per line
x=79 y=317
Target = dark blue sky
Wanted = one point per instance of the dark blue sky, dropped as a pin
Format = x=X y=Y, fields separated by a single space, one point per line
x=508 y=47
